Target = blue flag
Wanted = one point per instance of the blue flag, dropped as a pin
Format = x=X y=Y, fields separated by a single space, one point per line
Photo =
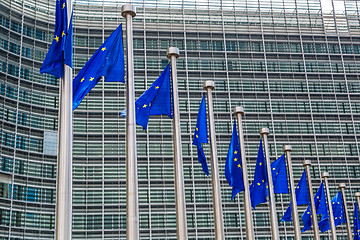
x=338 y=209
x=200 y=135
x=321 y=209
x=61 y=48
x=258 y=189
x=154 y=101
x=107 y=61
x=302 y=197
x=233 y=167
x=279 y=175
x=356 y=222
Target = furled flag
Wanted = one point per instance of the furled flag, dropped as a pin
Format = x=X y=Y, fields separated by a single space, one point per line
x=356 y=222
x=107 y=62
x=321 y=208
x=338 y=209
x=279 y=175
x=200 y=135
x=61 y=48
x=258 y=189
x=233 y=167
x=302 y=197
x=154 y=101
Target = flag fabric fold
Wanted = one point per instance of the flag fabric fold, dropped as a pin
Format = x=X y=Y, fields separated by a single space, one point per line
x=154 y=101
x=279 y=175
x=233 y=167
x=321 y=209
x=302 y=197
x=107 y=62
x=61 y=48
x=200 y=135
x=338 y=209
x=258 y=189
x=356 y=222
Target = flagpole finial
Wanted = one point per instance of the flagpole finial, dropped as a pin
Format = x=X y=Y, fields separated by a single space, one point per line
x=172 y=51
x=264 y=131
x=239 y=109
x=325 y=175
x=209 y=84
x=357 y=194
x=128 y=9
x=307 y=163
x=342 y=185
x=287 y=148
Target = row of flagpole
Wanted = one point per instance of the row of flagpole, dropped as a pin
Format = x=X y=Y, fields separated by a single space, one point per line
x=239 y=111
x=109 y=64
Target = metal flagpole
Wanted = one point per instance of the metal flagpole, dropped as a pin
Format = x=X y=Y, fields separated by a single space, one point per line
x=173 y=53
x=325 y=175
x=128 y=11
x=307 y=164
x=357 y=196
x=295 y=216
x=239 y=111
x=64 y=171
x=274 y=221
x=218 y=214
x=348 y=228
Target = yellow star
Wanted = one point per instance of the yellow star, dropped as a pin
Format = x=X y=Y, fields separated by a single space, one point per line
x=56 y=38
x=298 y=187
x=235 y=159
x=82 y=79
x=63 y=34
x=239 y=166
x=235 y=152
x=260 y=164
x=259 y=184
x=144 y=106
x=63 y=5
x=91 y=78
x=157 y=87
x=197 y=136
x=317 y=197
x=262 y=180
x=274 y=169
x=197 y=129
x=103 y=49
x=308 y=212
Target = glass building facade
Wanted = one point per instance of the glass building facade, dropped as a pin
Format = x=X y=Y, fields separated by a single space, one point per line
x=292 y=64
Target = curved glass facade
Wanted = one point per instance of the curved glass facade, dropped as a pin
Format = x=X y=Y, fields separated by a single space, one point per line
x=292 y=64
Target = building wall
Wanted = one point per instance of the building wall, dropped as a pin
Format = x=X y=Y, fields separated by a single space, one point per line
x=293 y=65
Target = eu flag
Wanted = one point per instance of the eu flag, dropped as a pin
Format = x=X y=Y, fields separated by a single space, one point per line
x=233 y=167
x=279 y=175
x=154 y=101
x=302 y=197
x=200 y=135
x=107 y=61
x=60 y=51
x=258 y=189
x=338 y=209
x=321 y=209
x=356 y=222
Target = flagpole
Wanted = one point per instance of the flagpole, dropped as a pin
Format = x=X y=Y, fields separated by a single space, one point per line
x=218 y=214
x=239 y=111
x=63 y=210
x=325 y=175
x=274 y=221
x=307 y=164
x=348 y=228
x=295 y=216
x=173 y=53
x=128 y=11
